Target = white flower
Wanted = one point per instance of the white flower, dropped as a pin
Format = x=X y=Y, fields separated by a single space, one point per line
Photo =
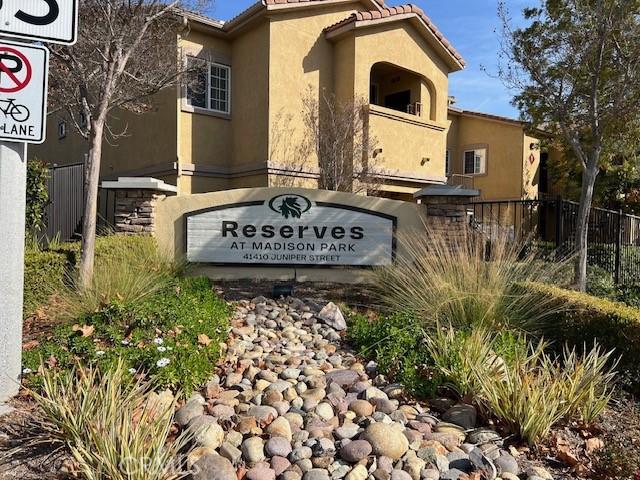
x=125 y=342
x=100 y=353
x=132 y=371
x=27 y=371
x=163 y=362
x=158 y=341
x=162 y=349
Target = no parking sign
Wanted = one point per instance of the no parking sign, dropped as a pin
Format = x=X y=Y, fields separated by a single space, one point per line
x=23 y=92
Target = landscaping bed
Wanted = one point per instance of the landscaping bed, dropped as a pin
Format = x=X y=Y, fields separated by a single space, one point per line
x=437 y=372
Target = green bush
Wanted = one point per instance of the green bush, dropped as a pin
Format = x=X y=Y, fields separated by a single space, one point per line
x=396 y=343
x=44 y=274
x=37 y=195
x=580 y=319
x=172 y=336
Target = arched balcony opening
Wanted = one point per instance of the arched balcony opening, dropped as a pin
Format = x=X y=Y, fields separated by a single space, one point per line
x=402 y=90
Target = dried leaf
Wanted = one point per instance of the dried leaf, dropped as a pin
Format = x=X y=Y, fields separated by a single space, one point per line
x=52 y=361
x=567 y=456
x=594 y=444
x=87 y=330
x=30 y=345
x=204 y=340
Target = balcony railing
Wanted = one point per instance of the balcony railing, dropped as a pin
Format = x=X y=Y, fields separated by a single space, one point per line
x=458 y=180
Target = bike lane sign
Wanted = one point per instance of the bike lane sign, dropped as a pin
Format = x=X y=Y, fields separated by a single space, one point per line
x=23 y=92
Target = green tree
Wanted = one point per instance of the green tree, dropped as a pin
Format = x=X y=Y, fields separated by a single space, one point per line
x=576 y=70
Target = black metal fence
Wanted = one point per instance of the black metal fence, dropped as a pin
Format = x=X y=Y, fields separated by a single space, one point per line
x=63 y=214
x=614 y=237
x=66 y=201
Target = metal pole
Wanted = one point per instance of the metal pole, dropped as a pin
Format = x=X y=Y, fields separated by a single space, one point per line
x=618 y=265
x=13 y=180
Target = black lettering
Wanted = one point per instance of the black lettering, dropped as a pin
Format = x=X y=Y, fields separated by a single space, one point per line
x=320 y=232
x=337 y=233
x=268 y=231
x=301 y=231
x=229 y=227
x=357 y=233
x=286 y=231
x=48 y=19
x=249 y=231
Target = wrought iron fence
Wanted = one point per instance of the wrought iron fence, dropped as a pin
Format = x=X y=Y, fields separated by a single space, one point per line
x=614 y=237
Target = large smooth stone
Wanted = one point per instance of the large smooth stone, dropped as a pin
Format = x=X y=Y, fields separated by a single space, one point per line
x=386 y=440
x=213 y=467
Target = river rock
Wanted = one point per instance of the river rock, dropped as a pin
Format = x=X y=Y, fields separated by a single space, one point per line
x=386 y=440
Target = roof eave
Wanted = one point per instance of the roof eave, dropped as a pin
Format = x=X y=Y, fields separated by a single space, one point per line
x=454 y=63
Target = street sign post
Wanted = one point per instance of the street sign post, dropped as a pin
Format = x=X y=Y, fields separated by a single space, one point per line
x=23 y=104
x=23 y=92
x=53 y=21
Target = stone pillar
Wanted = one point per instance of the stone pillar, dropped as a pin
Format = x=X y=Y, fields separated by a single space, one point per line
x=135 y=211
x=136 y=201
x=446 y=209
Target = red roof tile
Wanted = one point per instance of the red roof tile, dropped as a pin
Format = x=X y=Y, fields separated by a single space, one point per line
x=386 y=12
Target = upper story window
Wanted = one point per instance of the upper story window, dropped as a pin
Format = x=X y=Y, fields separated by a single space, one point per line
x=475 y=162
x=447 y=163
x=209 y=86
x=62 y=129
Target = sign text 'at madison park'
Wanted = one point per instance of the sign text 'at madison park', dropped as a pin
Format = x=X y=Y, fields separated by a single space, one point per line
x=290 y=230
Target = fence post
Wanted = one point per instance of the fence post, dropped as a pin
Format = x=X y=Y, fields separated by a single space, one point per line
x=618 y=270
x=559 y=225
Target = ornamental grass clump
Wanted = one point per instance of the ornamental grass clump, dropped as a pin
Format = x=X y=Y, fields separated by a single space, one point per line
x=114 y=426
x=538 y=391
x=125 y=270
x=467 y=282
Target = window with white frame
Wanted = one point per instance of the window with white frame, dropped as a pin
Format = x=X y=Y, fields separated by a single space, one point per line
x=208 y=85
x=62 y=129
x=447 y=163
x=475 y=161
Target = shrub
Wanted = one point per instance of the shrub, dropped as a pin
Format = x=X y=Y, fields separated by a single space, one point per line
x=579 y=318
x=114 y=427
x=44 y=274
x=396 y=343
x=37 y=196
x=465 y=282
x=173 y=336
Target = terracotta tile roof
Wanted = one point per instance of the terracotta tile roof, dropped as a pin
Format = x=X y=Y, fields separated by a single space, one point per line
x=266 y=3
x=386 y=12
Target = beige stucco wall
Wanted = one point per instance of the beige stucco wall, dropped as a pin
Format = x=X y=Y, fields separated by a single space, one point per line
x=170 y=230
x=143 y=144
x=301 y=63
x=406 y=147
x=505 y=143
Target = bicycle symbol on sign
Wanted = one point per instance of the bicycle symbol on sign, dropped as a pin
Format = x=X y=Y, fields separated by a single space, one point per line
x=19 y=113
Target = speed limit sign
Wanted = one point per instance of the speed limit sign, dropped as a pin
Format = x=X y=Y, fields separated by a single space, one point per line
x=54 y=21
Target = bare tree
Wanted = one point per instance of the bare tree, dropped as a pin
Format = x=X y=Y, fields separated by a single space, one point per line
x=339 y=135
x=126 y=53
x=288 y=153
x=576 y=68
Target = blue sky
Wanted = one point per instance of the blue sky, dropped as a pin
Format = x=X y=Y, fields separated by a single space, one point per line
x=471 y=26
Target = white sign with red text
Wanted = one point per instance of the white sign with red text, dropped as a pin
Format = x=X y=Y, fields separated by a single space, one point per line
x=23 y=92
